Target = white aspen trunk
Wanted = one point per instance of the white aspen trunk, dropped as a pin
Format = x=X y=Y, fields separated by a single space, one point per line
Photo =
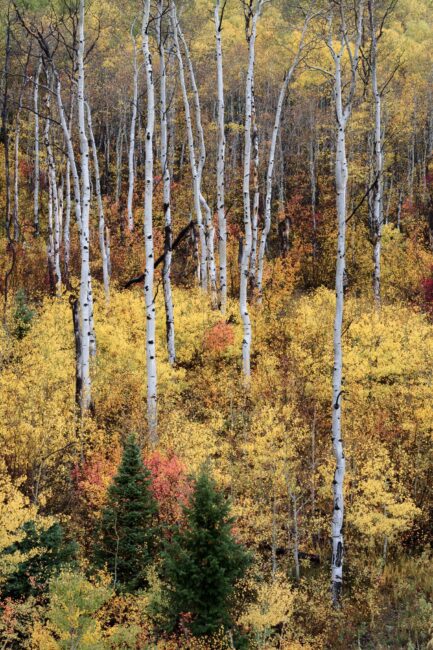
x=15 y=213
x=53 y=207
x=342 y=111
x=202 y=271
x=256 y=195
x=67 y=223
x=222 y=221
x=341 y=176
x=165 y=168
x=209 y=227
x=378 y=159
x=247 y=244
x=101 y=219
x=119 y=158
x=37 y=167
x=85 y=287
x=131 y=153
x=271 y=163
x=148 y=236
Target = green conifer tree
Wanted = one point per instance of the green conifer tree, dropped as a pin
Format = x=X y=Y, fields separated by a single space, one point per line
x=202 y=563
x=128 y=534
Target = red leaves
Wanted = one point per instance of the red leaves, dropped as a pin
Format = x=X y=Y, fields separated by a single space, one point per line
x=219 y=337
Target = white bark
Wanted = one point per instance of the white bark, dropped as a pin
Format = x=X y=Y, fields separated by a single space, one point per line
x=271 y=162
x=209 y=227
x=202 y=270
x=131 y=175
x=37 y=167
x=85 y=286
x=256 y=195
x=378 y=158
x=222 y=221
x=53 y=206
x=247 y=244
x=148 y=236
x=166 y=273
x=101 y=219
x=343 y=108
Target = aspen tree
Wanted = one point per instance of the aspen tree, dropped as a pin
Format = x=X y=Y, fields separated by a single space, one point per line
x=222 y=221
x=209 y=228
x=251 y=30
x=101 y=218
x=377 y=210
x=148 y=235
x=165 y=169
x=202 y=268
x=36 y=136
x=131 y=153
x=343 y=107
x=271 y=161
x=85 y=285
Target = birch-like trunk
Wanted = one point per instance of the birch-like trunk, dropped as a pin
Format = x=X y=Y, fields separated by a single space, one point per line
x=271 y=162
x=202 y=270
x=256 y=195
x=85 y=286
x=378 y=159
x=165 y=168
x=37 y=166
x=209 y=227
x=222 y=221
x=343 y=108
x=148 y=235
x=101 y=218
x=53 y=206
x=131 y=153
x=247 y=243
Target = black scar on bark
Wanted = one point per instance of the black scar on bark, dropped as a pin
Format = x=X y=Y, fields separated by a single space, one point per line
x=339 y=555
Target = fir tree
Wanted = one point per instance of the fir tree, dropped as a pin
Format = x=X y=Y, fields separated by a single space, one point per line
x=127 y=533
x=202 y=564
x=48 y=552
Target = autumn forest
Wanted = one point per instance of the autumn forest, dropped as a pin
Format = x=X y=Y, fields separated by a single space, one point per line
x=216 y=324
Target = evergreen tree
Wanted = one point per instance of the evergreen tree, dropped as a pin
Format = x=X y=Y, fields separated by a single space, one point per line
x=128 y=533
x=202 y=564
x=47 y=553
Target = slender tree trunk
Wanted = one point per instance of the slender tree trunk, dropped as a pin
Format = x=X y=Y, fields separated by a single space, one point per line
x=222 y=220
x=342 y=112
x=5 y=130
x=85 y=285
x=209 y=227
x=148 y=236
x=247 y=243
x=202 y=270
x=378 y=158
x=271 y=162
x=165 y=168
x=101 y=219
x=256 y=194
x=132 y=139
x=37 y=168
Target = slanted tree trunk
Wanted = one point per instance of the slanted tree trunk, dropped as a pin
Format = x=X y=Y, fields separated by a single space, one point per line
x=165 y=168
x=131 y=154
x=148 y=236
x=209 y=227
x=271 y=162
x=101 y=219
x=222 y=220
x=202 y=270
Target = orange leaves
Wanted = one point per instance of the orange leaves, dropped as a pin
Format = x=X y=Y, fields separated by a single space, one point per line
x=219 y=337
